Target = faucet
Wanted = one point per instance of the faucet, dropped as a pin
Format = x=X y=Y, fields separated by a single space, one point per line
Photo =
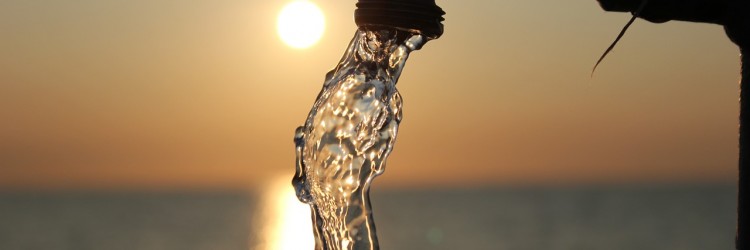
x=421 y=15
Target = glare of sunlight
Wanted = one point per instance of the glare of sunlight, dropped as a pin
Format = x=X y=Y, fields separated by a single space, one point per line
x=287 y=223
x=300 y=24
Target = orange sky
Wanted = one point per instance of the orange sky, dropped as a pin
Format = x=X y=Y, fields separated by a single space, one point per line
x=175 y=94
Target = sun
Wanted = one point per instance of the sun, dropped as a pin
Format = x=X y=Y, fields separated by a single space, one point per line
x=300 y=24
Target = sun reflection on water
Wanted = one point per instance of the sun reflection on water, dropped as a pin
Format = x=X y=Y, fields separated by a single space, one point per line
x=285 y=222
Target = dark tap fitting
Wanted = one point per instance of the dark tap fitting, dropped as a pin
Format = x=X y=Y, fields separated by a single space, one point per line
x=421 y=15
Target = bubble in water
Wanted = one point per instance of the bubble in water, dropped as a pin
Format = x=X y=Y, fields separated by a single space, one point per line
x=348 y=135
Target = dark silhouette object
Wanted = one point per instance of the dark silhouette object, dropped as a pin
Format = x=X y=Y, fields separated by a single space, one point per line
x=734 y=15
x=422 y=15
x=619 y=36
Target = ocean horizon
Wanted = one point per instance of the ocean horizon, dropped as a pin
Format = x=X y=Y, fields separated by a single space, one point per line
x=664 y=217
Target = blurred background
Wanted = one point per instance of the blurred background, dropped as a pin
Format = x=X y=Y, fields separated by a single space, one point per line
x=168 y=125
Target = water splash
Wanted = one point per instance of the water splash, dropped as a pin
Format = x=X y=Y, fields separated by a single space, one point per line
x=348 y=135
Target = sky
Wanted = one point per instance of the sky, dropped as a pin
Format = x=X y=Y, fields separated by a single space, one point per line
x=163 y=94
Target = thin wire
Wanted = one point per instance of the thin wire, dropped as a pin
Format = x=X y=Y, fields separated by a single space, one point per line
x=619 y=36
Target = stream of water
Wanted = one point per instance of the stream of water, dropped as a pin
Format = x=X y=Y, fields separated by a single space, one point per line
x=348 y=136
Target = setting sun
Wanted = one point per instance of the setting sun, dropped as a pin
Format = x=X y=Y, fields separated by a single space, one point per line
x=300 y=24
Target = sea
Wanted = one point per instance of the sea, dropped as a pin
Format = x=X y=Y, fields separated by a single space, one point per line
x=635 y=217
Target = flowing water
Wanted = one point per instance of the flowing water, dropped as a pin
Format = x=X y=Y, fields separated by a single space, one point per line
x=348 y=136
